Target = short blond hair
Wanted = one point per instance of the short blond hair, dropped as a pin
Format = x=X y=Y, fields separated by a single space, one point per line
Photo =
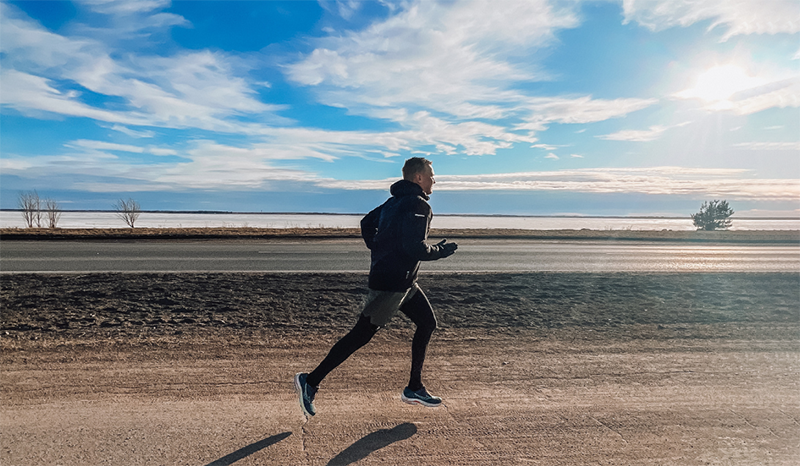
x=413 y=166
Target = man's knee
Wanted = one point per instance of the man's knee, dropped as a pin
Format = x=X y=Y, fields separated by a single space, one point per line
x=419 y=310
x=428 y=323
x=365 y=326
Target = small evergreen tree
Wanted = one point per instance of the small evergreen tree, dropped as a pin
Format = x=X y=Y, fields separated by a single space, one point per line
x=714 y=215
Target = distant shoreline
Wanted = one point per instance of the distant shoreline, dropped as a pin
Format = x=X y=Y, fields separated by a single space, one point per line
x=249 y=233
x=231 y=212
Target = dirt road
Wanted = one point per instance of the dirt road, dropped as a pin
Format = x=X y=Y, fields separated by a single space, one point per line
x=555 y=369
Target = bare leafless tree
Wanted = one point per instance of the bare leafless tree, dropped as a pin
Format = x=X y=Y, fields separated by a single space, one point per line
x=53 y=212
x=31 y=206
x=128 y=211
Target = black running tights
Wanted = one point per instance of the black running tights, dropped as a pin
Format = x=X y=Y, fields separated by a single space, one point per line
x=418 y=309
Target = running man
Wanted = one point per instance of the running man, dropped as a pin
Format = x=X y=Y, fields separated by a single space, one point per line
x=396 y=233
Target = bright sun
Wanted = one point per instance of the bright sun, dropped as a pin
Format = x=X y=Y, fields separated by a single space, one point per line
x=721 y=82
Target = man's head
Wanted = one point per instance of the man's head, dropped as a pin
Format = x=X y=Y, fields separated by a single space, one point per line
x=419 y=170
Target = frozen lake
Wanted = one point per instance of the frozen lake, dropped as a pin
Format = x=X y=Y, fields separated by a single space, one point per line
x=11 y=219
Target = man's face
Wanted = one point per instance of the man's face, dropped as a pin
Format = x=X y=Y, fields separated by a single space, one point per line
x=425 y=180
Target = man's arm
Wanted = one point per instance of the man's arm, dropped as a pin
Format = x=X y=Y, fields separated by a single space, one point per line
x=415 y=233
x=369 y=226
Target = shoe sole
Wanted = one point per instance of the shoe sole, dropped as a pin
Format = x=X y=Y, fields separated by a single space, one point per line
x=299 y=389
x=417 y=401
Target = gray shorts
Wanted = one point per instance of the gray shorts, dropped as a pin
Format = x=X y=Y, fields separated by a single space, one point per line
x=381 y=306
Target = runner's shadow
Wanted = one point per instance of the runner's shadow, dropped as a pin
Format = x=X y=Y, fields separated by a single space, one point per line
x=249 y=450
x=373 y=442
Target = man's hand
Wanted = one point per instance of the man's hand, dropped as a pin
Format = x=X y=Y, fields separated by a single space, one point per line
x=446 y=249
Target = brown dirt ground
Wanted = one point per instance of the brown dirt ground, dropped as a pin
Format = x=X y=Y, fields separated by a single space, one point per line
x=539 y=368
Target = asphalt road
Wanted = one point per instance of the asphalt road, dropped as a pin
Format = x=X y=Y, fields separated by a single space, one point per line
x=350 y=255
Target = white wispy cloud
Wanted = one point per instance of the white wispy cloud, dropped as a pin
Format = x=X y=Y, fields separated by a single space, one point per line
x=125 y=7
x=777 y=94
x=133 y=133
x=60 y=171
x=204 y=165
x=257 y=153
x=110 y=146
x=188 y=89
x=130 y=19
x=344 y=8
x=194 y=89
x=457 y=61
x=28 y=45
x=207 y=165
x=453 y=58
x=432 y=68
x=719 y=183
x=212 y=166
x=737 y=17
x=543 y=111
x=768 y=146
x=469 y=137
x=730 y=183
x=645 y=135
x=34 y=95
x=472 y=137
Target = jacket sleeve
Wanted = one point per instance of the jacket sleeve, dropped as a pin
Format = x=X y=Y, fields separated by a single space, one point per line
x=369 y=226
x=416 y=223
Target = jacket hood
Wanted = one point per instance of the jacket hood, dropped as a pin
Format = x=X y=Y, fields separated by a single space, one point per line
x=407 y=188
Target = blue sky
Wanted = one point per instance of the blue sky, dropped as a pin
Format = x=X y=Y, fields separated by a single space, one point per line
x=539 y=107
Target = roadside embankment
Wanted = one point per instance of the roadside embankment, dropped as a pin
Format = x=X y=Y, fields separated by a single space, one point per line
x=736 y=236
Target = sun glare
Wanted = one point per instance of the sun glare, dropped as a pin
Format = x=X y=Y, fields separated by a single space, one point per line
x=720 y=83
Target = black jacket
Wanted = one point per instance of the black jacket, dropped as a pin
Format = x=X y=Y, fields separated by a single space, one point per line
x=396 y=232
